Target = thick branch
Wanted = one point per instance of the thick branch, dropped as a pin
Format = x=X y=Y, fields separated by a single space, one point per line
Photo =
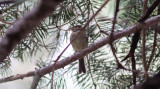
x=89 y=49
x=25 y=25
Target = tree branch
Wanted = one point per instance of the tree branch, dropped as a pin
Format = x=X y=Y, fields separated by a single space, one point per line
x=25 y=25
x=89 y=49
x=36 y=79
x=156 y=27
x=112 y=32
x=149 y=11
x=144 y=42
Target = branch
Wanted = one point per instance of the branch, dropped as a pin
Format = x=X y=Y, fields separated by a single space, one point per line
x=150 y=83
x=91 y=74
x=18 y=76
x=156 y=27
x=149 y=11
x=144 y=42
x=7 y=2
x=112 y=32
x=154 y=46
x=25 y=25
x=64 y=62
x=95 y=13
x=36 y=79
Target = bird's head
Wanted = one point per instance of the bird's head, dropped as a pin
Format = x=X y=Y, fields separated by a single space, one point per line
x=76 y=28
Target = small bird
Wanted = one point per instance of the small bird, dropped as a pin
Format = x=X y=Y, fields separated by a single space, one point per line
x=79 y=43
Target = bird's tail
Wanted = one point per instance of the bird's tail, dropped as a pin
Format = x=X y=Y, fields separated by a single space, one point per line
x=81 y=66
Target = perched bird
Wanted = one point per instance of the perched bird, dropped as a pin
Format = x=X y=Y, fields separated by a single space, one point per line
x=79 y=43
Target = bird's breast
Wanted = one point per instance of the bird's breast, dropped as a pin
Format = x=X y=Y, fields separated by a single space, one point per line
x=80 y=42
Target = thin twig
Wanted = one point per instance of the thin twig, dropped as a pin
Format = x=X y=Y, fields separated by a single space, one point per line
x=119 y=65
x=95 y=14
x=36 y=79
x=154 y=47
x=138 y=3
x=89 y=67
x=94 y=17
x=155 y=41
x=144 y=42
x=104 y=32
x=64 y=23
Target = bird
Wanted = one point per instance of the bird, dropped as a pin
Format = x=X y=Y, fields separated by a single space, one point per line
x=79 y=41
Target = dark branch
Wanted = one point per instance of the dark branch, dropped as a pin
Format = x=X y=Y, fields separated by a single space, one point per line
x=149 y=11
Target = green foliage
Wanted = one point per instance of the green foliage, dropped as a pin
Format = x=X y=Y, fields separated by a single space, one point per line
x=102 y=72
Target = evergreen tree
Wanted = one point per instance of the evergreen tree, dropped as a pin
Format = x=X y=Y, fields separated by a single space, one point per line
x=116 y=58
